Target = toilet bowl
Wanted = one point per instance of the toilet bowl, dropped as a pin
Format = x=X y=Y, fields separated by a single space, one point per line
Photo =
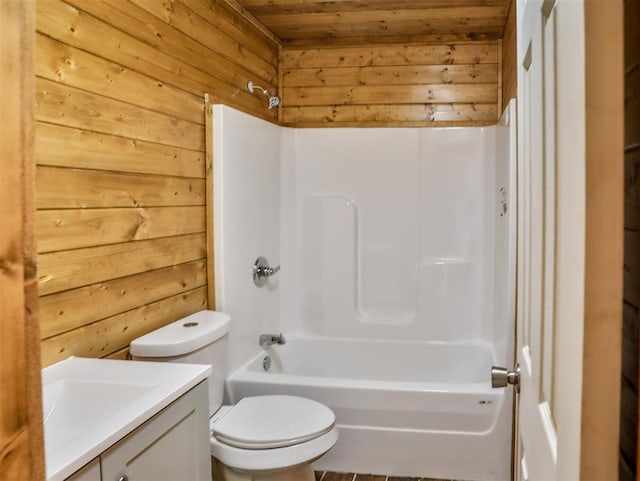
x=261 y=438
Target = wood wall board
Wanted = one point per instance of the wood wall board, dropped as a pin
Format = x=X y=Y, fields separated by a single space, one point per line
x=63 y=270
x=632 y=190
x=632 y=106
x=632 y=267
x=395 y=123
x=74 y=308
x=225 y=18
x=13 y=410
x=62 y=105
x=630 y=344
x=64 y=22
x=122 y=354
x=78 y=228
x=368 y=56
x=490 y=26
x=63 y=188
x=184 y=20
x=389 y=85
x=603 y=290
x=625 y=472
x=61 y=146
x=107 y=336
x=21 y=436
x=424 y=114
x=390 y=95
x=68 y=65
x=391 y=75
x=628 y=430
x=509 y=57
x=14 y=456
x=404 y=40
x=137 y=55
x=632 y=33
x=140 y=24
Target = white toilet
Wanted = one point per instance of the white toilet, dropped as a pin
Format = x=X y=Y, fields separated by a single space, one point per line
x=261 y=438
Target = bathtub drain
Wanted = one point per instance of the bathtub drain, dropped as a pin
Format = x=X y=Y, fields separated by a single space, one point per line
x=266 y=363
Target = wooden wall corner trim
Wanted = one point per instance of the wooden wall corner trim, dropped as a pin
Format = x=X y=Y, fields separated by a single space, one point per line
x=501 y=100
x=208 y=125
x=21 y=436
x=235 y=5
x=280 y=84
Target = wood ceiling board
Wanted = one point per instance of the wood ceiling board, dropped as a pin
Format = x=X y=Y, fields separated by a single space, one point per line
x=294 y=20
x=275 y=7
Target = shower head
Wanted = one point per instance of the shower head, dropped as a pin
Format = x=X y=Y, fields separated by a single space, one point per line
x=273 y=100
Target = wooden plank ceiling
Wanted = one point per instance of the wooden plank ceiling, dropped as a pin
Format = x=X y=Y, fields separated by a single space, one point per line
x=317 y=22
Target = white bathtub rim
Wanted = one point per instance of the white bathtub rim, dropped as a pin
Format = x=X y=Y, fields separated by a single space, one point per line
x=302 y=336
x=362 y=384
x=248 y=372
x=446 y=432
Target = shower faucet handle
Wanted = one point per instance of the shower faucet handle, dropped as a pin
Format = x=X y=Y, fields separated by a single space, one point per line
x=269 y=271
x=262 y=271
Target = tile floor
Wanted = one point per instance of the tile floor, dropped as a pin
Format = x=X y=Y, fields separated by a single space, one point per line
x=330 y=476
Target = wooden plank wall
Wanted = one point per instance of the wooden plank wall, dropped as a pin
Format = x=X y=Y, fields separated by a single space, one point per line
x=120 y=151
x=509 y=57
x=630 y=339
x=389 y=85
x=604 y=226
x=21 y=444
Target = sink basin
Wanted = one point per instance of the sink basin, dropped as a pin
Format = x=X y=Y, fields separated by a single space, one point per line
x=90 y=404
x=70 y=405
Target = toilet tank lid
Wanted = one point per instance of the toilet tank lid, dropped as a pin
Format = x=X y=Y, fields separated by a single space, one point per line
x=182 y=336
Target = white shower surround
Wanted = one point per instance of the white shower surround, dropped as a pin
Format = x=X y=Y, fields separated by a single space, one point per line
x=391 y=238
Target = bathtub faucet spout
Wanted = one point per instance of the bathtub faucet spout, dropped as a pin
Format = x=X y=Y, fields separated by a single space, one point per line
x=270 y=339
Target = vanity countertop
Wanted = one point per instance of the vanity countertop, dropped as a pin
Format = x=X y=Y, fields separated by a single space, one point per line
x=90 y=404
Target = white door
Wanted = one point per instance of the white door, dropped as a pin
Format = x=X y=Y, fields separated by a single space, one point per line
x=550 y=237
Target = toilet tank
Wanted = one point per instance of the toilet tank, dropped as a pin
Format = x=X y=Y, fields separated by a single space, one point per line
x=200 y=338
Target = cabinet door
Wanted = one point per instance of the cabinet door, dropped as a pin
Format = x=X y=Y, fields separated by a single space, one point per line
x=89 y=472
x=173 y=445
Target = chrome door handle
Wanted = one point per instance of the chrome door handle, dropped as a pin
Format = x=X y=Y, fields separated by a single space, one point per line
x=502 y=377
x=262 y=271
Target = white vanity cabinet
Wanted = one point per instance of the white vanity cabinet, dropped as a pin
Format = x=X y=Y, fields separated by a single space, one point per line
x=172 y=445
x=89 y=472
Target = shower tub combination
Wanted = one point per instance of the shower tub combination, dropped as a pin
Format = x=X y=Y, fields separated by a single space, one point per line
x=396 y=293
x=403 y=408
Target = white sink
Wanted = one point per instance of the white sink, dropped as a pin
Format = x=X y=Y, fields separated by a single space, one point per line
x=70 y=405
x=89 y=404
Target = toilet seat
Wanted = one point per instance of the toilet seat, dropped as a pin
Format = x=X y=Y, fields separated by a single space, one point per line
x=268 y=422
x=260 y=460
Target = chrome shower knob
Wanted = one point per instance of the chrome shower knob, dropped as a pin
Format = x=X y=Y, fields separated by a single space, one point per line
x=262 y=271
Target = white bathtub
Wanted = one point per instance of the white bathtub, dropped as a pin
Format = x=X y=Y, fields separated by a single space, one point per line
x=403 y=408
